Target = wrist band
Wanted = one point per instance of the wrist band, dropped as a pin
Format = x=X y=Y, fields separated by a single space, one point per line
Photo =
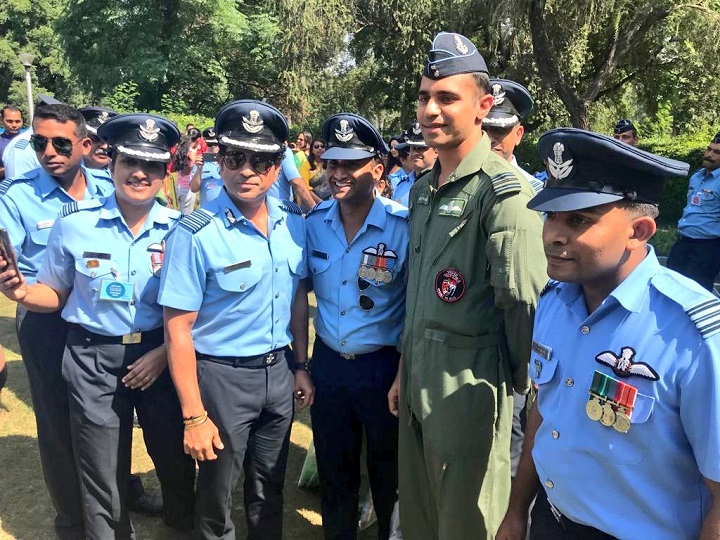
x=195 y=420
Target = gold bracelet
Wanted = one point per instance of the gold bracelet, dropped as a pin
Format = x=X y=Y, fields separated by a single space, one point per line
x=195 y=420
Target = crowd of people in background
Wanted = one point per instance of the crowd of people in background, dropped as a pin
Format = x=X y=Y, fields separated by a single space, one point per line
x=497 y=341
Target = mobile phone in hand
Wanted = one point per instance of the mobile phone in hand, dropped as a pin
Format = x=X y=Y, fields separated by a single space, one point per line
x=7 y=252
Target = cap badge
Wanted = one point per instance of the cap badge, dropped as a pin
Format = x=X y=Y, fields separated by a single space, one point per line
x=148 y=131
x=498 y=94
x=254 y=124
x=345 y=132
x=460 y=46
x=557 y=168
x=416 y=128
x=211 y=133
x=102 y=117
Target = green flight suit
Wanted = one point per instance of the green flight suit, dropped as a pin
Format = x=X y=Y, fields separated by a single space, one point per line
x=476 y=269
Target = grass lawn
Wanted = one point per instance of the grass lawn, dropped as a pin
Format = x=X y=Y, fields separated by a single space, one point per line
x=25 y=509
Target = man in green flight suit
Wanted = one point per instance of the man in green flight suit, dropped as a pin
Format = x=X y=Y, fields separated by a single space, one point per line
x=476 y=270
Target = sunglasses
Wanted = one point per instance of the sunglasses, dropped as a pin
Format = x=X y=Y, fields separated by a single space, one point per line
x=366 y=303
x=259 y=162
x=318 y=146
x=349 y=165
x=62 y=145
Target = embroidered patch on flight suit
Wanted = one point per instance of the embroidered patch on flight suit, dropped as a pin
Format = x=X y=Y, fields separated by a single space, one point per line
x=449 y=285
x=451 y=207
x=623 y=366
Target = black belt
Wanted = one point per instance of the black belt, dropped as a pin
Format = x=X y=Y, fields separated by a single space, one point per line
x=253 y=362
x=127 y=339
x=577 y=530
x=690 y=240
x=387 y=349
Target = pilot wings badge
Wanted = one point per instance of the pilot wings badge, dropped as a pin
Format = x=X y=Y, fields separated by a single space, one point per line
x=623 y=366
x=498 y=94
x=557 y=168
x=254 y=124
x=148 y=131
x=345 y=132
x=460 y=46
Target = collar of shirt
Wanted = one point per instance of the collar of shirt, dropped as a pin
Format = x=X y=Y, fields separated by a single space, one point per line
x=632 y=293
x=111 y=210
x=470 y=164
x=709 y=175
x=47 y=184
x=377 y=217
x=231 y=214
x=407 y=178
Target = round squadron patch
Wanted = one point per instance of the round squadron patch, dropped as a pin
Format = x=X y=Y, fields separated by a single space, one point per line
x=449 y=285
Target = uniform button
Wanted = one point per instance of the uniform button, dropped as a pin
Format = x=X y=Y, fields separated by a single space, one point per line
x=276 y=269
x=344 y=281
x=569 y=382
x=277 y=295
x=347 y=250
x=549 y=484
x=585 y=329
x=242 y=286
x=132 y=302
x=133 y=273
x=137 y=329
x=93 y=274
x=555 y=434
x=343 y=342
x=277 y=321
x=342 y=312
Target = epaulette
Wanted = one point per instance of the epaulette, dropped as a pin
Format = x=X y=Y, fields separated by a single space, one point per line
x=22 y=144
x=550 y=285
x=505 y=183
x=396 y=209
x=76 y=206
x=701 y=306
x=5 y=185
x=322 y=205
x=197 y=220
x=291 y=207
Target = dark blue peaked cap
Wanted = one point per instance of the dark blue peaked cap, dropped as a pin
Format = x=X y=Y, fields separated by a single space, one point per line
x=511 y=104
x=452 y=54
x=586 y=169
x=349 y=136
x=252 y=125
x=412 y=137
x=96 y=116
x=623 y=125
x=143 y=136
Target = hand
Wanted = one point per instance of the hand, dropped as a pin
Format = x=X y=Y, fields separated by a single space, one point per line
x=12 y=284
x=200 y=441
x=513 y=527
x=394 y=396
x=304 y=389
x=199 y=160
x=144 y=371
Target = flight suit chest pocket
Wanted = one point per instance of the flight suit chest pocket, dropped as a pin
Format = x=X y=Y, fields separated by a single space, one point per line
x=542 y=364
x=239 y=280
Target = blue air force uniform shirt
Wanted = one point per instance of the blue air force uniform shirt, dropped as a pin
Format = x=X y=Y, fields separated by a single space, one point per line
x=210 y=183
x=91 y=248
x=401 y=184
x=29 y=206
x=282 y=188
x=701 y=216
x=240 y=283
x=647 y=482
x=373 y=265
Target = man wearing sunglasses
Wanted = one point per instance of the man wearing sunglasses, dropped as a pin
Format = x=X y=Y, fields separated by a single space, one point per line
x=357 y=246
x=476 y=269
x=233 y=288
x=420 y=157
x=29 y=205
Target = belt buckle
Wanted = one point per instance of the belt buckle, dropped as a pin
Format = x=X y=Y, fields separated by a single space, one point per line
x=132 y=339
x=270 y=358
x=347 y=356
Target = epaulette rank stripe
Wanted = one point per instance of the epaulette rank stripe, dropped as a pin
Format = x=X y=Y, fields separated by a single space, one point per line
x=69 y=208
x=505 y=183
x=5 y=185
x=291 y=207
x=706 y=317
x=22 y=144
x=196 y=221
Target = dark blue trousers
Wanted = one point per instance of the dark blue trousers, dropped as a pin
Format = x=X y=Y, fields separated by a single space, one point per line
x=545 y=526
x=351 y=401
x=698 y=259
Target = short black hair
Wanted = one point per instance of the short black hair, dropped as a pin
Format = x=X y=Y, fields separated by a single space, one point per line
x=640 y=209
x=11 y=108
x=483 y=81
x=63 y=113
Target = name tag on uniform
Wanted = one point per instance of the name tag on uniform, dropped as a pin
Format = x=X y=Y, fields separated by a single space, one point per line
x=116 y=291
x=44 y=224
x=237 y=266
x=96 y=255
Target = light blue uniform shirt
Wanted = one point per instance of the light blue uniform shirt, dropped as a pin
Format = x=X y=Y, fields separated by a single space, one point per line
x=29 y=205
x=335 y=267
x=94 y=244
x=701 y=216
x=401 y=184
x=646 y=483
x=282 y=188
x=210 y=182
x=240 y=283
x=18 y=157
x=534 y=182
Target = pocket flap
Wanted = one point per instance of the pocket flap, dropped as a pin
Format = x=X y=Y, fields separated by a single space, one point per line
x=317 y=265
x=239 y=280
x=94 y=268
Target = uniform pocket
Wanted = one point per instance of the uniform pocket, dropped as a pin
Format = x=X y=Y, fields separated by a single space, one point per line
x=40 y=237
x=321 y=280
x=241 y=280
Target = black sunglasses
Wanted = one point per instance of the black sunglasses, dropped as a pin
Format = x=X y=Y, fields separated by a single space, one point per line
x=351 y=165
x=366 y=303
x=62 y=145
x=259 y=162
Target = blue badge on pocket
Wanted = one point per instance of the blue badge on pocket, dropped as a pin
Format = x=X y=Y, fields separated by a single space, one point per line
x=116 y=291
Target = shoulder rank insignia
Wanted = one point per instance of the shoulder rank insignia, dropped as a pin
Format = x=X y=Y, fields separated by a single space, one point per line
x=706 y=317
x=77 y=206
x=196 y=221
x=22 y=144
x=291 y=207
x=623 y=366
x=5 y=185
x=505 y=183
x=550 y=285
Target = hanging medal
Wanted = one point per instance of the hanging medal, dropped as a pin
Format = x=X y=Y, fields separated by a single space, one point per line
x=593 y=407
